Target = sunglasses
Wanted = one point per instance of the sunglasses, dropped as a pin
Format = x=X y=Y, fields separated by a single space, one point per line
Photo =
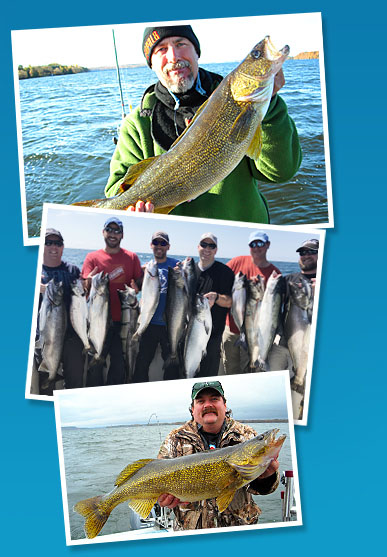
x=57 y=243
x=207 y=245
x=160 y=243
x=257 y=244
x=308 y=252
x=113 y=230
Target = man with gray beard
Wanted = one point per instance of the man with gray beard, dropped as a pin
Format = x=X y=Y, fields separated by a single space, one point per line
x=168 y=107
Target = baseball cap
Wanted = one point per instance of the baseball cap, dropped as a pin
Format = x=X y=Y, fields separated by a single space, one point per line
x=53 y=232
x=258 y=235
x=209 y=235
x=114 y=220
x=198 y=387
x=162 y=235
x=313 y=243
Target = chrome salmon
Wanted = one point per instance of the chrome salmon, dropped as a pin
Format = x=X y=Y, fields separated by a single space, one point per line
x=198 y=335
x=99 y=312
x=206 y=475
x=79 y=312
x=150 y=297
x=52 y=328
x=269 y=316
x=176 y=311
x=255 y=289
x=129 y=320
x=225 y=129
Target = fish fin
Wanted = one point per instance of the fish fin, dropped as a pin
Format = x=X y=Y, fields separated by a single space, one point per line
x=224 y=499
x=134 y=172
x=142 y=506
x=95 y=517
x=131 y=469
x=255 y=147
x=88 y=203
x=248 y=471
x=241 y=126
x=164 y=210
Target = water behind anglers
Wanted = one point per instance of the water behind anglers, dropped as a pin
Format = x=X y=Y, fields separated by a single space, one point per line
x=79 y=312
x=59 y=152
x=52 y=328
x=94 y=457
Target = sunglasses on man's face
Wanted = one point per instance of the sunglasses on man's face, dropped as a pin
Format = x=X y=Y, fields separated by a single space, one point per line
x=160 y=243
x=308 y=252
x=207 y=245
x=113 y=230
x=57 y=243
x=257 y=244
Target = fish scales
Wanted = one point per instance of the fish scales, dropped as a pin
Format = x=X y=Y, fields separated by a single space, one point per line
x=195 y=477
x=223 y=131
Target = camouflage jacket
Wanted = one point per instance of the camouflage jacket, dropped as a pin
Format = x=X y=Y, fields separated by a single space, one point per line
x=242 y=510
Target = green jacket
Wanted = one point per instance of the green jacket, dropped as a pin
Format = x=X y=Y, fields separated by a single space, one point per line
x=237 y=197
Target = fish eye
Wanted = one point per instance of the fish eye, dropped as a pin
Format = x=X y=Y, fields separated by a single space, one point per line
x=255 y=53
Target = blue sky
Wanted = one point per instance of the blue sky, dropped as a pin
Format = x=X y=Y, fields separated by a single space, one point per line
x=250 y=396
x=82 y=229
x=222 y=40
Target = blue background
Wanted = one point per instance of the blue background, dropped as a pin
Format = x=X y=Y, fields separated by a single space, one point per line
x=341 y=452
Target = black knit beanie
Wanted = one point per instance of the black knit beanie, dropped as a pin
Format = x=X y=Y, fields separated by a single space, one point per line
x=153 y=35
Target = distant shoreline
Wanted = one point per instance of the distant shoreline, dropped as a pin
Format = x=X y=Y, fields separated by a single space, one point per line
x=30 y=72
x=273 y=420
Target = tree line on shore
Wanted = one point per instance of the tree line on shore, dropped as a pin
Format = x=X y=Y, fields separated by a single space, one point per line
x=49 y=69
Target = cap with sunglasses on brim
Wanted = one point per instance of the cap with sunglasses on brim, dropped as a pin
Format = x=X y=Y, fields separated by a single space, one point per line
x=313 y=244
x=114 y=220
x=199 y=387
x=162 y=235
x=258 y=235
x=53 y=232
x=209 y=235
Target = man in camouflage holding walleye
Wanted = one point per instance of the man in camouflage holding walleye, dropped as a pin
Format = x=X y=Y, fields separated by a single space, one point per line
x=168 y=107
x=211 y=427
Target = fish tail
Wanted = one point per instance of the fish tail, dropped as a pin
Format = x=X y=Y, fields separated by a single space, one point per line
x=94 y=515
x=241 y=341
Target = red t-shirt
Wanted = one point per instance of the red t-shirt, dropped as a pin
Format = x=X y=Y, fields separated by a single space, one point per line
x=245 y=264
x=122 y=268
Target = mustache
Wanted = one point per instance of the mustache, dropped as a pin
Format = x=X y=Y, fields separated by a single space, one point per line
x=210 y=409
x=176 y=66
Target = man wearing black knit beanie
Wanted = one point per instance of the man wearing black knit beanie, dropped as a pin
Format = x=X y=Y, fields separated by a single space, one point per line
x=167 y=108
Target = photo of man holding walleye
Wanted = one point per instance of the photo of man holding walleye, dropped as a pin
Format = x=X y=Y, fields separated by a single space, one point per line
x=170 y=474
x=243 y=134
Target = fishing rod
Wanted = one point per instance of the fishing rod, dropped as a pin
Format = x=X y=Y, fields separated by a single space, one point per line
x=119 y=77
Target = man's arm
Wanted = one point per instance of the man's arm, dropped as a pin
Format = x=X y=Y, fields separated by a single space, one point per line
x=281 y=154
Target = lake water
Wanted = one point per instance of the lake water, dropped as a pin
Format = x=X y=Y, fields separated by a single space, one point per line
x=68 y=125
x=94 y=457
x=77 y=257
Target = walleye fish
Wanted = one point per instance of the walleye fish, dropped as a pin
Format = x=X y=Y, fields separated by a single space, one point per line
x=99 y=312
x=297 y=328
x=130 y=312
x=150 y=297
x=254 y=294
x=52 y=328
x=79 y=313
x=198 y=335
x=176 y=311
x=206 y=475
x=225 y=129
x=269 y=317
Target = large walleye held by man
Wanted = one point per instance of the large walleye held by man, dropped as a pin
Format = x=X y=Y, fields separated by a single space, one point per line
x=225 y=129
x=190 y=478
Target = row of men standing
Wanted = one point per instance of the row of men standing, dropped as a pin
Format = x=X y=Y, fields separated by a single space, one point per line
x=215 y=281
